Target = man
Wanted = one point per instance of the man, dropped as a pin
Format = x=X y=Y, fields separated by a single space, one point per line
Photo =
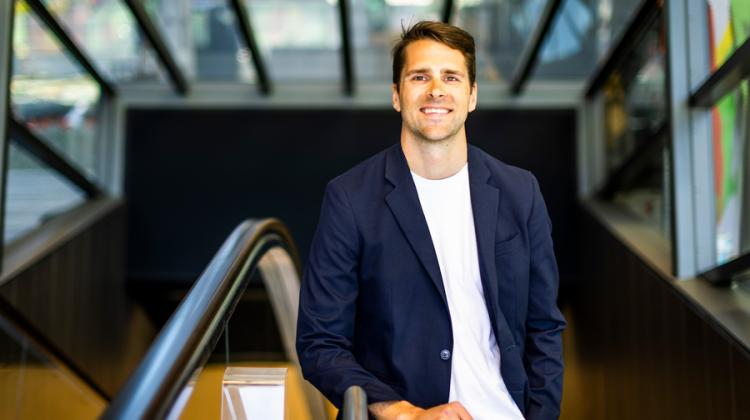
x=432 y=277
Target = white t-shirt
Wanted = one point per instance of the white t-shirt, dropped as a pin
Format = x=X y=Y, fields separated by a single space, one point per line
x=475 y=361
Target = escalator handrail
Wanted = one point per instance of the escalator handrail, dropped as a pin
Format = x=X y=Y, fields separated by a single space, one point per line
x=188 y=337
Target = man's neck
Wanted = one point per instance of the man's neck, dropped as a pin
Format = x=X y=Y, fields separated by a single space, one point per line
x=435 y=159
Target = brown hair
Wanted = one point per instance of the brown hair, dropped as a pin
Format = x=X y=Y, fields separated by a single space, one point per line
x=449 y=35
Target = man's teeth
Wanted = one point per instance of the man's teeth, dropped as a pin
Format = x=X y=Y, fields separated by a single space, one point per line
x=435 y=111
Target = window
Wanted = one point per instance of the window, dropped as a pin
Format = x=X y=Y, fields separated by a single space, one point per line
x=300 y=38
x=108 y=33
x=637 y=153
x=501 y=29
x=730 y=118
x=634 y=99
x=34 y=194
x=52 y=95
x=204 y=38
x=581 y=34
x=729 y=27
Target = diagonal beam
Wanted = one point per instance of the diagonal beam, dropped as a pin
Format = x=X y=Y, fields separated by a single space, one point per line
x=636 y=29
x=7 y=14
x=447 y=11
x=724 y=79
x=148 y=28
x=347 y=56
x=723 y=274
x=533 y=46
x=32 y=144
x=241 y=13
x=69 y=45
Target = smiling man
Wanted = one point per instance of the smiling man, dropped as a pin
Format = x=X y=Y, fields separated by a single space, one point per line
x=431 y=281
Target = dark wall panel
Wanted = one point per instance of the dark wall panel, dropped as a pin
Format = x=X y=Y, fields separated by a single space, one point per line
x=641 y=350
x=192 y=175
x=76 y=298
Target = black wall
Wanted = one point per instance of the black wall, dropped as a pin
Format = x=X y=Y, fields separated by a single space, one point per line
x=192 y=175
x=637 y=349
x=75 y=297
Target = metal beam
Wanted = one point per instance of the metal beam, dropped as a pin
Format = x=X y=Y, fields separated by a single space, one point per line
x=723 y=274
x=533 y=46
x=246 y=29
x=447 y=11
x=347 y=56
x=32 y=144
x=697 y=41
x=681 y=172
x=69 y=45
x=723 y=80
x=636 y=29
x=160 y=47
x=6 y=54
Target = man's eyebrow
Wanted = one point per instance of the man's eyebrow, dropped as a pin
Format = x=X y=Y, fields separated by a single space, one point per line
x=426 y=70
x=415 y=71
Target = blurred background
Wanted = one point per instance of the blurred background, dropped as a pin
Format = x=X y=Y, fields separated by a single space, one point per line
x=138 y=134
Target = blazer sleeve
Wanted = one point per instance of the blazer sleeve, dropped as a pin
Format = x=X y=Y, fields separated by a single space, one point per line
x=544 y=322
x=327 y=306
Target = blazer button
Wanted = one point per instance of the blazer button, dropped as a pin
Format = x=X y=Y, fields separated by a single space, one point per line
x=445 y=354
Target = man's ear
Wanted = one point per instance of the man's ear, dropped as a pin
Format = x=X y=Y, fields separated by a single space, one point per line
x=473 y=97
x=395 y=101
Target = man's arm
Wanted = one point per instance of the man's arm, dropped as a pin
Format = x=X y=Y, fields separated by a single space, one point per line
x=544 y=322
x=327 y=306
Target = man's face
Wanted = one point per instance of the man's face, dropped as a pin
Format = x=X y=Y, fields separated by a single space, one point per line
x=436 y=95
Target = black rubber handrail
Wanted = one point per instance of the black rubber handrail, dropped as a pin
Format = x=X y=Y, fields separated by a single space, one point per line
x=189 y=336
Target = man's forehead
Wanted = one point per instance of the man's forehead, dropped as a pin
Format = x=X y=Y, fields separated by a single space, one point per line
x=427 y=54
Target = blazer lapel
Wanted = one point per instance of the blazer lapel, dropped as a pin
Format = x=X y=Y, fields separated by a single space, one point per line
x=404 y=203
x=484 y=203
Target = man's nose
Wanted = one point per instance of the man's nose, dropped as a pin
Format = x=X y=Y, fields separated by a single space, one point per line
x=436 y=89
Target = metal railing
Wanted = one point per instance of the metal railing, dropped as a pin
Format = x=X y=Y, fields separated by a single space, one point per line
x=355 y=404
x=189 y=336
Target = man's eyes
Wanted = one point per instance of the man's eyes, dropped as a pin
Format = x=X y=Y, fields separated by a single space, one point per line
x=450 y=78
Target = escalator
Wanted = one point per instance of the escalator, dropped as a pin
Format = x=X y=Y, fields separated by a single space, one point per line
x=181 y=374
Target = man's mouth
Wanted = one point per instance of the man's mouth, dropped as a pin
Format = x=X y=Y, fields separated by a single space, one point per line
x=435 y=110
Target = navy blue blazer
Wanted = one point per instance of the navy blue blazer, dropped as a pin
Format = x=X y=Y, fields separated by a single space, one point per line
x=373 y=311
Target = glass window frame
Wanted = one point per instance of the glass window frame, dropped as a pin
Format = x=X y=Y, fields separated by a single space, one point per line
x=690 y=129
x=600 y=180
x=61 y=195
x=6 y=42
x=328 y=48
x=708 y=264
x=108 y=109
x=88 y=84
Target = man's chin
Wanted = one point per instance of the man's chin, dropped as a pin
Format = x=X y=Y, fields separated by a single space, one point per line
x=435 y=137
